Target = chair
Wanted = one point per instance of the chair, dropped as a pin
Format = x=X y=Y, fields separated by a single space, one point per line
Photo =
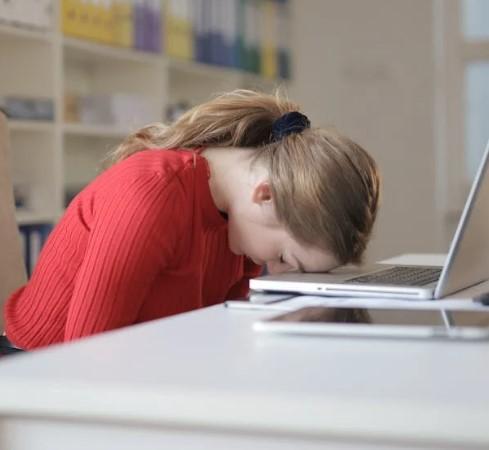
x=12 y=268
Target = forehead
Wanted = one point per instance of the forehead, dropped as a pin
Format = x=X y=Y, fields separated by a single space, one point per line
x=313 y=259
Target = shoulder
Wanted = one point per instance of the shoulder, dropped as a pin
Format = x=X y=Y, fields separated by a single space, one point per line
x=145 y=178
x=161 y=162
x=163 y=167
x=151 y=169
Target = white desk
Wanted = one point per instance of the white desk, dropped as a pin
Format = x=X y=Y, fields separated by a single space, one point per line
x=205 y=380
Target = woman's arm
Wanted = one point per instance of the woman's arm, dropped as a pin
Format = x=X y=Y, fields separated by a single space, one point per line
x=132 y=240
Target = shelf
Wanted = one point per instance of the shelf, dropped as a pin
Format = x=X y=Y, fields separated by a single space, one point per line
x=97 y=131
x=202 y=69
x=84 y=50
x=31 y=126
x=257 y=80
x=214 y=71
x=26 y=33
x=25 y=217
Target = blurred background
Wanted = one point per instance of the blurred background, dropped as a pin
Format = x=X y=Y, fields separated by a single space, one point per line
x=407 y=79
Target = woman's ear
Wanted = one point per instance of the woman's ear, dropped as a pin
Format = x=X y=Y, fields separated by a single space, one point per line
x=262 y=193
x=262 y=199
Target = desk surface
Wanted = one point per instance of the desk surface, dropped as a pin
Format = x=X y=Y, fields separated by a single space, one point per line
x=208 y=370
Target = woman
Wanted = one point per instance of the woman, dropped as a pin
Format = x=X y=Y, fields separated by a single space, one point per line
x=186 y=214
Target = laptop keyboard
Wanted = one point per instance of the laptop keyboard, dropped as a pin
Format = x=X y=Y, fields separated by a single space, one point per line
x=400 y=276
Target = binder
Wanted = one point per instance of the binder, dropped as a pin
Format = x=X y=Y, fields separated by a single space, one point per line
x=241 y=57
x=255 y=51
x=230 y=33
x=216 y=34
x=284 y=64
x=105 y=30
x=93 y=29
x=178 y=26
x=33 y=237
x=123 y=31
x=155 y=19
x=138 y=15
x=70 y=17
x=200 y=11
x=269 y=59
x=251 y=35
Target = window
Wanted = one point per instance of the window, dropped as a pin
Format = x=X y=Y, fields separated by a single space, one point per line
x=476 y=113
x=461 y=49
x=475 y=35
x=476 y=19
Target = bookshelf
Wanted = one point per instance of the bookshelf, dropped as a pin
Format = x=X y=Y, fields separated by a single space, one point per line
x=53 y=158
x=12 y=32
x=30 y=126
x=94 y=131
x=84 y=50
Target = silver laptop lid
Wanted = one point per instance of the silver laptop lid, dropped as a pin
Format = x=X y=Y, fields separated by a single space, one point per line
x=468 y=258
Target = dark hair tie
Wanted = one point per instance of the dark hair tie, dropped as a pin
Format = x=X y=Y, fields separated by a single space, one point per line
x=292 y=122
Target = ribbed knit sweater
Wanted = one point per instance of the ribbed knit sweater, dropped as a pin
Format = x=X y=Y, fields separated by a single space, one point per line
x=143 y=241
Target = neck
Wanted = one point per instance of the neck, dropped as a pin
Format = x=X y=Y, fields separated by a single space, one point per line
x=231 y=174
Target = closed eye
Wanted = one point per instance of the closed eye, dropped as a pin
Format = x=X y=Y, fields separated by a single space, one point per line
x=285 y=263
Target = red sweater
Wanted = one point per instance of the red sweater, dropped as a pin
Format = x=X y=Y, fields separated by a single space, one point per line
x=143 y=241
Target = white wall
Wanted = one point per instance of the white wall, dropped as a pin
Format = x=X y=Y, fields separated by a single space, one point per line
x=367 y=67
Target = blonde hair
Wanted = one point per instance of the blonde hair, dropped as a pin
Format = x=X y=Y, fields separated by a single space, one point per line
x=325 y=186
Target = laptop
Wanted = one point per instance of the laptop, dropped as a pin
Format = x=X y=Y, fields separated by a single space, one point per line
x=467 y=263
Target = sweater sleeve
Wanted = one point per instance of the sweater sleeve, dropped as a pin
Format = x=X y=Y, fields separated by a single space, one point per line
x=132 y=239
